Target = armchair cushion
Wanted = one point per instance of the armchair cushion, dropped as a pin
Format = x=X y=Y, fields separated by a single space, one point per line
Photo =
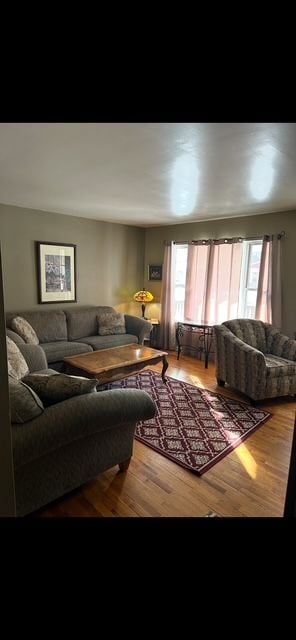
x=56 y=388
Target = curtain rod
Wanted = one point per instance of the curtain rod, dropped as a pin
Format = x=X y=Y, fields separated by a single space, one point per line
x=280 y=235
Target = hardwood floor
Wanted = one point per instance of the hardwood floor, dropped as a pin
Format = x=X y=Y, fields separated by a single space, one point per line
x=251 y=481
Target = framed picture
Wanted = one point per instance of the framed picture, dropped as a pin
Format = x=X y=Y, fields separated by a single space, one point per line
x=154 y=272
x=56 y=266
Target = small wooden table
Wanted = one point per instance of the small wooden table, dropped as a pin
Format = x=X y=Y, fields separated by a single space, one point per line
x=112 y=364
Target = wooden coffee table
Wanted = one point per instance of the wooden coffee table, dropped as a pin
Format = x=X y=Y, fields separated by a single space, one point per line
x=113 y=364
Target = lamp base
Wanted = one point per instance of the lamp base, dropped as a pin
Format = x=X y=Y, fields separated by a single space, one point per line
x=143 y=311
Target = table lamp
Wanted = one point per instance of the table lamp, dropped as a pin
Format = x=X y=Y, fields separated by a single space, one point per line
x=143 y=296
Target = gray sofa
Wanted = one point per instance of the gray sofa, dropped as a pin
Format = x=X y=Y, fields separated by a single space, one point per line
x=68 y=332
x=72 y=441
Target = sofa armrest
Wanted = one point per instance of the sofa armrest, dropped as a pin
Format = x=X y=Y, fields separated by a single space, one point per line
x=138 y=327
x=77 y=418
x=280 y=345
x=15 y=337
x=34 y=355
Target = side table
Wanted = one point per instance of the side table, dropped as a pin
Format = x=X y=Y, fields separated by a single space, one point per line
x=152 y=339
x=205 y=332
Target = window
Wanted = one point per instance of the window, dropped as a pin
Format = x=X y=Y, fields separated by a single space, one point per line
x=249 y=278
x=180 y=278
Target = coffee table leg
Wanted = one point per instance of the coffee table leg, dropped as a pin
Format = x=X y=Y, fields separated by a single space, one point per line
x=165 y=365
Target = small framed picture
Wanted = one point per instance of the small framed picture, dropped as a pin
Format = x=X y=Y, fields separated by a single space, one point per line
x=56 y=268
x=154 y=272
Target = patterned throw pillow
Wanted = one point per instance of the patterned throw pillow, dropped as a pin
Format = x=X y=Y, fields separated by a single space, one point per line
x=24 y=402
x=111 y=324
x=52 y=389
x=25 y=330
x=17 y=366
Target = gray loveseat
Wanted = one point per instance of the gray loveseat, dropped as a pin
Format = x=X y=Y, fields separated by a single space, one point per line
x=72 y=441
x=68 y=332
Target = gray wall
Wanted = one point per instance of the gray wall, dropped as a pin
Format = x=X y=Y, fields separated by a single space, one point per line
x=110 y=258
x=231 y=227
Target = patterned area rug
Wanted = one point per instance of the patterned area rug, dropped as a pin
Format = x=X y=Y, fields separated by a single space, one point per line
x=193 y=427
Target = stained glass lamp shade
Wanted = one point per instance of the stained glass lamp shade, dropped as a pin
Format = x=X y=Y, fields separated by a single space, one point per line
x=143 y=296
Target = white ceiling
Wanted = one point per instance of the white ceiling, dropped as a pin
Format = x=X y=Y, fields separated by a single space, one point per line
x=149 y=174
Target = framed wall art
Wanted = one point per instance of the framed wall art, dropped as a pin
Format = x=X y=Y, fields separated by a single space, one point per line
x=56 y=268
x=154 y=272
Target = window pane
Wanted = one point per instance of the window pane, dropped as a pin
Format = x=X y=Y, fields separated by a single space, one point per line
x=254 y=265
x=179 y=294
x=180 y=278
x=250 y=304
x=249 y=278
x=181 y=262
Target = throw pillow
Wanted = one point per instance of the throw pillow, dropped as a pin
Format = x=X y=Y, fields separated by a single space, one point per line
x=24 y=402
x=17 y=366
x=52 y=389
x=111 y=324
x=25 y=330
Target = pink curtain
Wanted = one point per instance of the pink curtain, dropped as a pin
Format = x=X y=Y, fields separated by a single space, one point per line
x=212 y=282
x=167 y=299
x=196 y=279
x=269 y=292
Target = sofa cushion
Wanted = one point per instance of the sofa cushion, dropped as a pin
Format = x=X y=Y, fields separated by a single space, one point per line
x=277 y=367
x=106 y=342
x=56 y=351
x=25 y=330
x=17 y=366
x=25 y=404
x=110 y=323
x=83 y=322
x=50 y=326
x=56 y=388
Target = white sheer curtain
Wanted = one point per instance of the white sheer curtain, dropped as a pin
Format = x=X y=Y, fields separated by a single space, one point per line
x=212 y=281
x=167 y=299
x=269 y=292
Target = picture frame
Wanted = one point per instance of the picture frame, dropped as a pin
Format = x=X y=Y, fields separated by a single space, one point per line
x=56 y=272
x=154 y=272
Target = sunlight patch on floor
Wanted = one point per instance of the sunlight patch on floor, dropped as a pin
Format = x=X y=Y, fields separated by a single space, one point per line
x=247 y=460
x=197 y=381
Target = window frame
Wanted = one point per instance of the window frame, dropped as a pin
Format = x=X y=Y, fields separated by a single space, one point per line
x=245 y=274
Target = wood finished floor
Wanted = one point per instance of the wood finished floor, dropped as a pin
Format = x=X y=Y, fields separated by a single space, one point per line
x=250 y=482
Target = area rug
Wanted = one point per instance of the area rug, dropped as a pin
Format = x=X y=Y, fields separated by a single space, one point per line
x=194 y=427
